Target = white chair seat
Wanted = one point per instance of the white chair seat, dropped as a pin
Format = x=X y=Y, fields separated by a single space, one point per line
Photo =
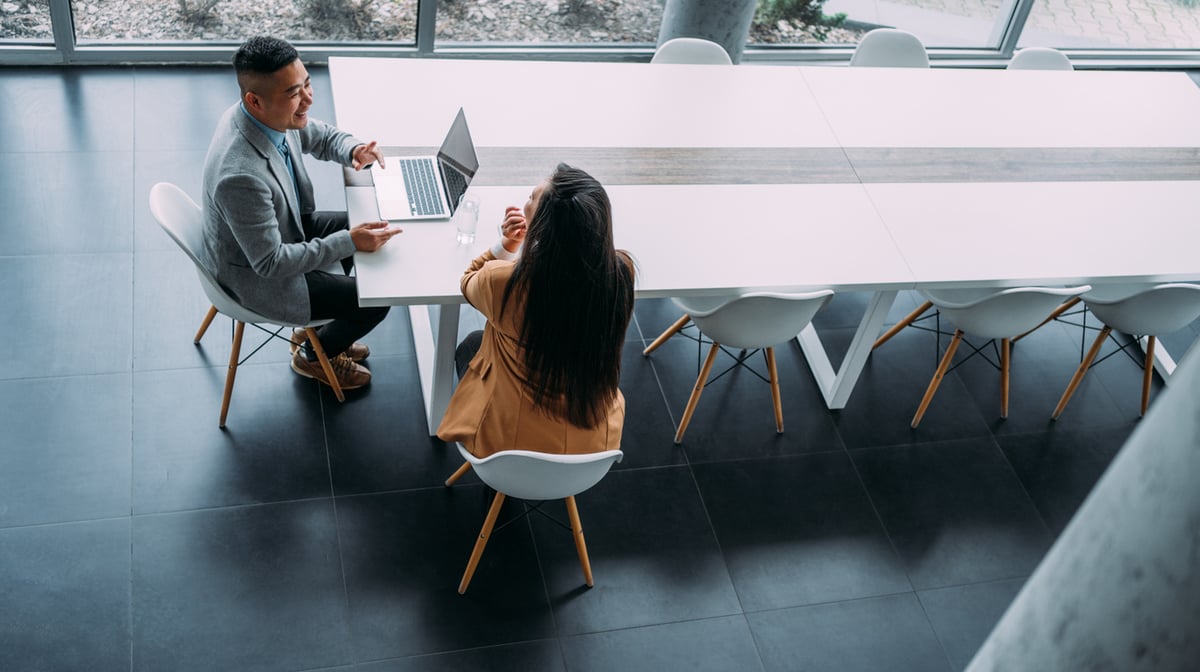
x=1141 y=310
x=535 y=476
x=753 y=321
x=991 y=314
x=1040 y=58
x=691 y=50
x=1145 y=309
x=890 y=48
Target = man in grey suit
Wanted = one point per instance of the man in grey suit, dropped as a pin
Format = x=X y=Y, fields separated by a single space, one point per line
x=263 y=239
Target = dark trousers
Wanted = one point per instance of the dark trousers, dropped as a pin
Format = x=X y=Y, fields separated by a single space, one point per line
x=334 y=296
x=466 y=350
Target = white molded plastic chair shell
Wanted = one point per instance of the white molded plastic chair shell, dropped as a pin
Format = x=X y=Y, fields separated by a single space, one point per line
x=890 y=48
x=756 y=320
x=990 y=313
x=691 y=50
x=182 y=219
x=1040 y=58
x=1145 y=310
x=535 y=476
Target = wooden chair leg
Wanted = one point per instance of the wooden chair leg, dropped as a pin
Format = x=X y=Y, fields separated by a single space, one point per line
x=1064 y=307
x=1005 y=364
x=671 y=331
x=239 y=328
x=466 y=466
x=775 y=398
x=208 y=318
x=325 y=365
x=1083 y=368
x=580 y=546
x=696 y=392
x=937 y=377
x=484 y=535
x=899 y=326
x=1147 y=374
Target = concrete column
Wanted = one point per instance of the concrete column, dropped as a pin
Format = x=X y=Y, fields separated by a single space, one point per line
x=1120 y=589
x=726 y=22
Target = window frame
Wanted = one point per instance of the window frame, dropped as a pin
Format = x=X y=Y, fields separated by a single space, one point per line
x=66 y=51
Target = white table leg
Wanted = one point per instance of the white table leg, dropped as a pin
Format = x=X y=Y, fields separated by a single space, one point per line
x=435 y=335
x=836 y=387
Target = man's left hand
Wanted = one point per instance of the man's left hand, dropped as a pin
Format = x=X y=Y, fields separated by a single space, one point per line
x=365 y=155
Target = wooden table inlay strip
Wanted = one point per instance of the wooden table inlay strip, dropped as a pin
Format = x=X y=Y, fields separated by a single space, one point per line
x=501 y=166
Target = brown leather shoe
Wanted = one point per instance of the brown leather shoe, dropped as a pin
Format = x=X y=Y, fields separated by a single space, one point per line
x=357 y=351
x=350 y=376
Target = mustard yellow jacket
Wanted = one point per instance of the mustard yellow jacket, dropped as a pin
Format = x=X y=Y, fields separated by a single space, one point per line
x=491 y=410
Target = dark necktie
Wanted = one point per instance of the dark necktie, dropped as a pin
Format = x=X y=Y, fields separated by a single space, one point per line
x=287 y=160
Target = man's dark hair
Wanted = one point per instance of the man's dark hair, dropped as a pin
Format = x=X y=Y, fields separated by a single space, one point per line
x=261 y=56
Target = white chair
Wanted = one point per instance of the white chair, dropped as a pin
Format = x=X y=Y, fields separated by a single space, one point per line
x=991 y=314
x=890 y=48
x=537 y=477
x=1142 y=310
x=691 y=50
x=181 y=218
x=1040 y=58
x=757 y=321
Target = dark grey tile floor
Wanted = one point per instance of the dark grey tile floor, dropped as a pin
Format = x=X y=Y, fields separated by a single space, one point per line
x=136 y=535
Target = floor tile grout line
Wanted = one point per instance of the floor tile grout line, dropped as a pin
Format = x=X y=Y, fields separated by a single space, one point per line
x=337 y=526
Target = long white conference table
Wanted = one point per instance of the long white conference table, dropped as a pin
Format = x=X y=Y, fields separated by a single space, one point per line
x=731 y=179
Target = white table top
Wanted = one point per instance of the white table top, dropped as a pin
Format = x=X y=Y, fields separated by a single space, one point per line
x=1029 y=233
x=555 y=104
x=693 y=240
x=920 y=107
x=680 y=248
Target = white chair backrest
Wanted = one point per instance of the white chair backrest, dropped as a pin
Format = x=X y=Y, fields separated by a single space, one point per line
x=691 y=50
x=1147 y=310
x=757 y=320
x=890 y=48
x=1040 y=58
x=991 y=313
x=182 y=219
x=534 y=476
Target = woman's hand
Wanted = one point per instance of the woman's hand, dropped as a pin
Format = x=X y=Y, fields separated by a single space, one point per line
x=512 y=230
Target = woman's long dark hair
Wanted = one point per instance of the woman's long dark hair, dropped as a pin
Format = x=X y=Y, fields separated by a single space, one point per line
x=578 y=294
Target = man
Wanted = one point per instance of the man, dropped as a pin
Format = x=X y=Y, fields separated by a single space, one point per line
x=262 y=238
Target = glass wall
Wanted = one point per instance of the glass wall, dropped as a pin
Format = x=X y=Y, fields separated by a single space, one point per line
x=150 y=21
x=1113 y=24
x=549 y=21
x=967 y=31
x=27 y=22
x=970 y=24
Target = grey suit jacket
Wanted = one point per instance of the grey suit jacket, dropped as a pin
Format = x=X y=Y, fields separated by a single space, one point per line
x=253 y=239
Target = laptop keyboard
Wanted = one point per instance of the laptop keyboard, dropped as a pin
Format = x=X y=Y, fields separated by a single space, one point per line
x=421 y=184
x=456 y=182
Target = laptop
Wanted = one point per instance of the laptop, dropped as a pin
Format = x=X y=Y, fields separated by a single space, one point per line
x=427 y=187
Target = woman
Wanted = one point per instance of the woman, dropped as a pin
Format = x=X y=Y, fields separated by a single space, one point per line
x=545 y=375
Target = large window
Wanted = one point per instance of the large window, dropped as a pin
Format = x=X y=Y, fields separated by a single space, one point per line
x=967 y=31
x=142 y=21
x=549 y=21
x=25 y=21
x=970 y=24
x=1117 y=24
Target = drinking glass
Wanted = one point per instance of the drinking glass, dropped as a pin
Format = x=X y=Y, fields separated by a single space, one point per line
x=466 y=217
